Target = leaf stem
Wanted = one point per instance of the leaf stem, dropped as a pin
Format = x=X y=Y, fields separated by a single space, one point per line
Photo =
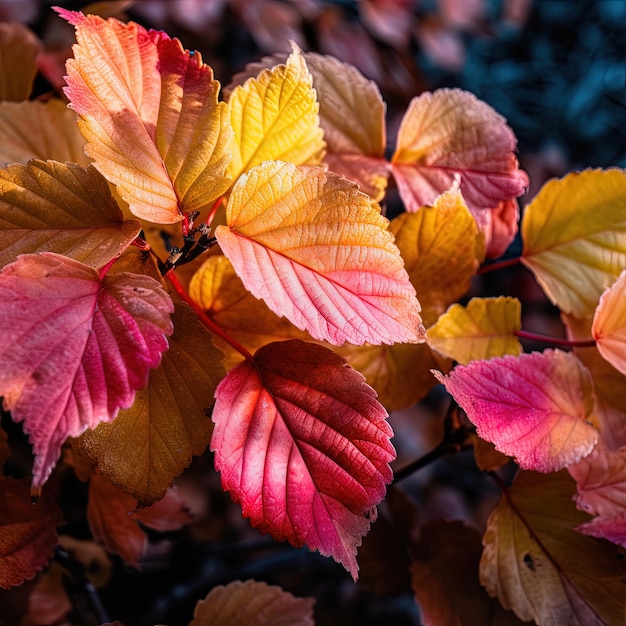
x=213 y=211
x=556 y=341
x=204 y=318
x=499 y=265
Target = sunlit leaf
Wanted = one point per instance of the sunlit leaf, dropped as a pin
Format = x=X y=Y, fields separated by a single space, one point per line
x=113 y=519
x=400 y=374
x=441 y=248
x=275 y=117
x=485 y=328
x=574 y=234
x=612 y=529
x=38 y=130
x=609 y=384
x=18 y=61
x=540 y=567
x=74 y=347
x=450 y=133
x=253 y=604
x=149 y=112
x=318 y=252
x=28 y=534
x=303 y=445
x=445 y=579
x=220 y=292
x=62 y=208
x=534 y=407
x=609 y=324
x=150 y=443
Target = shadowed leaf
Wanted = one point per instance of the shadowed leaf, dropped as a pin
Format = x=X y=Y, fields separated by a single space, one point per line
x=18 y=61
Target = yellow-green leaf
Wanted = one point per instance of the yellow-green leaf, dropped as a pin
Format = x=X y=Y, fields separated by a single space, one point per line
x=574 y=234
x=38 y=130
x=484 y=329
x=148 y=445
x=18 y=61
x=441 y=248
x=51 y=207
x=275 y=117
x=540 y=567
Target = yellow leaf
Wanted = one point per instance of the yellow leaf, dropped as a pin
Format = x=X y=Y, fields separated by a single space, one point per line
x=441 y=248
x=220 y=292
x=18 y=61
x=275 y=117
x=484 y=329
x=148 y=445
x=539 y=567
x=399 y=373
x=574 y=234
x=51 y=207
x=38 y=130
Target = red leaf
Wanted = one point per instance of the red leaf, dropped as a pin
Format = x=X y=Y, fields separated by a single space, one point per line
x=28 y=533
x=302 y=443
x=534 y=407
x=74 y=348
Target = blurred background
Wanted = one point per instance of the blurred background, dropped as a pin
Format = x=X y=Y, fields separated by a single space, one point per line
x=556 y=70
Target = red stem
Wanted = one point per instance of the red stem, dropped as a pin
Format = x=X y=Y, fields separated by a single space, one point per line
x=204 y=318
x=213 y=211
x=568 y=343
x=499 y=265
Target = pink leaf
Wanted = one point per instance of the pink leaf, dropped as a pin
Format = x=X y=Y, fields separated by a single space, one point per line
x=74 y=348
x=612 y=529
x=449 y=133
x=303 y=445
x=534 y=407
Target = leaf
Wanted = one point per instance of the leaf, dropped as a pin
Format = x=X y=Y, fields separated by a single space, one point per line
x=400 y=374
x=612 y=529
x=449 y=133
x=47 y=206
x=540 y=567
x=28 y=534
x=18 y=61
x=153 y=441
x=441 y=248
x=74 y=347
x=574 y=234
x=253 y=604
x=609 y=384
x=534 y=407
x=484 y=329
x=609 y=324
x=318 y=252
x=38 y=130
x=221 y=294
x=113 y=519
x=445 y=579
x=150 y=115
x=303 y=445
x=275 y=117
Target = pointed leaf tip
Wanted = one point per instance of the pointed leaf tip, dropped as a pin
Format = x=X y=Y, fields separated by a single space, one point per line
x=303 y=445
x=535 y=407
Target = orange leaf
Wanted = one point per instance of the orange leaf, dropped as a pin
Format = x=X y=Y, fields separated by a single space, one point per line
x=51 y=123
x=28 y=534
x=150 y=115
x=609 y=324
x=252 y=603
x=61 y=208
x=318 y=252
x=18 y=61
